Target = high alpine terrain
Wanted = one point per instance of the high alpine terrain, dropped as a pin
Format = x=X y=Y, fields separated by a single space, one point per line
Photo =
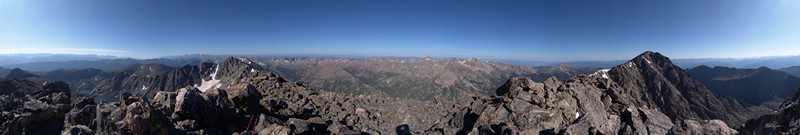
x=646 y=95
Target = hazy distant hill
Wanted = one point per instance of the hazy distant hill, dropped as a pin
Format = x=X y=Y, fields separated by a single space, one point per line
x=7 y=59
x=753 y=86
x=4 y=72
x=793 y=70
x=104 y=64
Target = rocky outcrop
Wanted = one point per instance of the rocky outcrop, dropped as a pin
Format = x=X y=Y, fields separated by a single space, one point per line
x=30 y=108
x=586 y=104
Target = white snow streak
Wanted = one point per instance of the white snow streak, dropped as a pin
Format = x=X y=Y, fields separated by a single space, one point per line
x=630 y=64
x=602 y=72
x=214 y=82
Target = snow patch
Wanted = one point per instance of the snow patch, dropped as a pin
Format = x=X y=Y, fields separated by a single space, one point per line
x=630 y=64
x=144 y=87
x=214 y=82
x=577 y=114
x=602 y=72
x=181 y=93
x=244 y=60
x=648 y=61
x=252 y=70
x=151 y=69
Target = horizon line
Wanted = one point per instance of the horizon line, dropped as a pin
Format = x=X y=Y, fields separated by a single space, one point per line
x=383 y=56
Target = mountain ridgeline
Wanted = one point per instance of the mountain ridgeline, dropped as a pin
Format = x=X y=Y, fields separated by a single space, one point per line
x=753 y=86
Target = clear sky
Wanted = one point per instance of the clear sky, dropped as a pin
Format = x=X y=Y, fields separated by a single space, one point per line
x=525 y=29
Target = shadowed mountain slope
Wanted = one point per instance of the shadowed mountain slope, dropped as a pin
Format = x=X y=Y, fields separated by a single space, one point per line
x=754 y=86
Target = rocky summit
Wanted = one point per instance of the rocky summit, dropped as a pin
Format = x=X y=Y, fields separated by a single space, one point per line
x=646 y=95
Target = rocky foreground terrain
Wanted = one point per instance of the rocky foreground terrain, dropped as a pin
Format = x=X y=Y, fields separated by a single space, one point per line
x=646 y=95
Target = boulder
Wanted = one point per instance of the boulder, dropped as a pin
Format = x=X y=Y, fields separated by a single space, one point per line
x=165 y=101
x=61 y=98
x=126 y=98
x=56 y=87
x=36 y=112
x=274 y=129
x=265 y=121
x=244 y=97
x=513 y=85
x=83 y=101
x=83 y=116
x=77 y=130
x=706 y=127
x=339 y=129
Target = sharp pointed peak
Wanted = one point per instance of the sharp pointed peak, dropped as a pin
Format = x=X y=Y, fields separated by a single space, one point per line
x=648 y=60
x=650 y=55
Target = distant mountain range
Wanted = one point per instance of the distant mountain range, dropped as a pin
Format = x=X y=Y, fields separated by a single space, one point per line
x=754 y=86
x=418 y=78
x=793 y=70
x=8 y=59
x=103 y=64
x=45 y=62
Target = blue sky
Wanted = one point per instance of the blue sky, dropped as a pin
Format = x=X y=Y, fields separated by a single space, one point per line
x=528 y=30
